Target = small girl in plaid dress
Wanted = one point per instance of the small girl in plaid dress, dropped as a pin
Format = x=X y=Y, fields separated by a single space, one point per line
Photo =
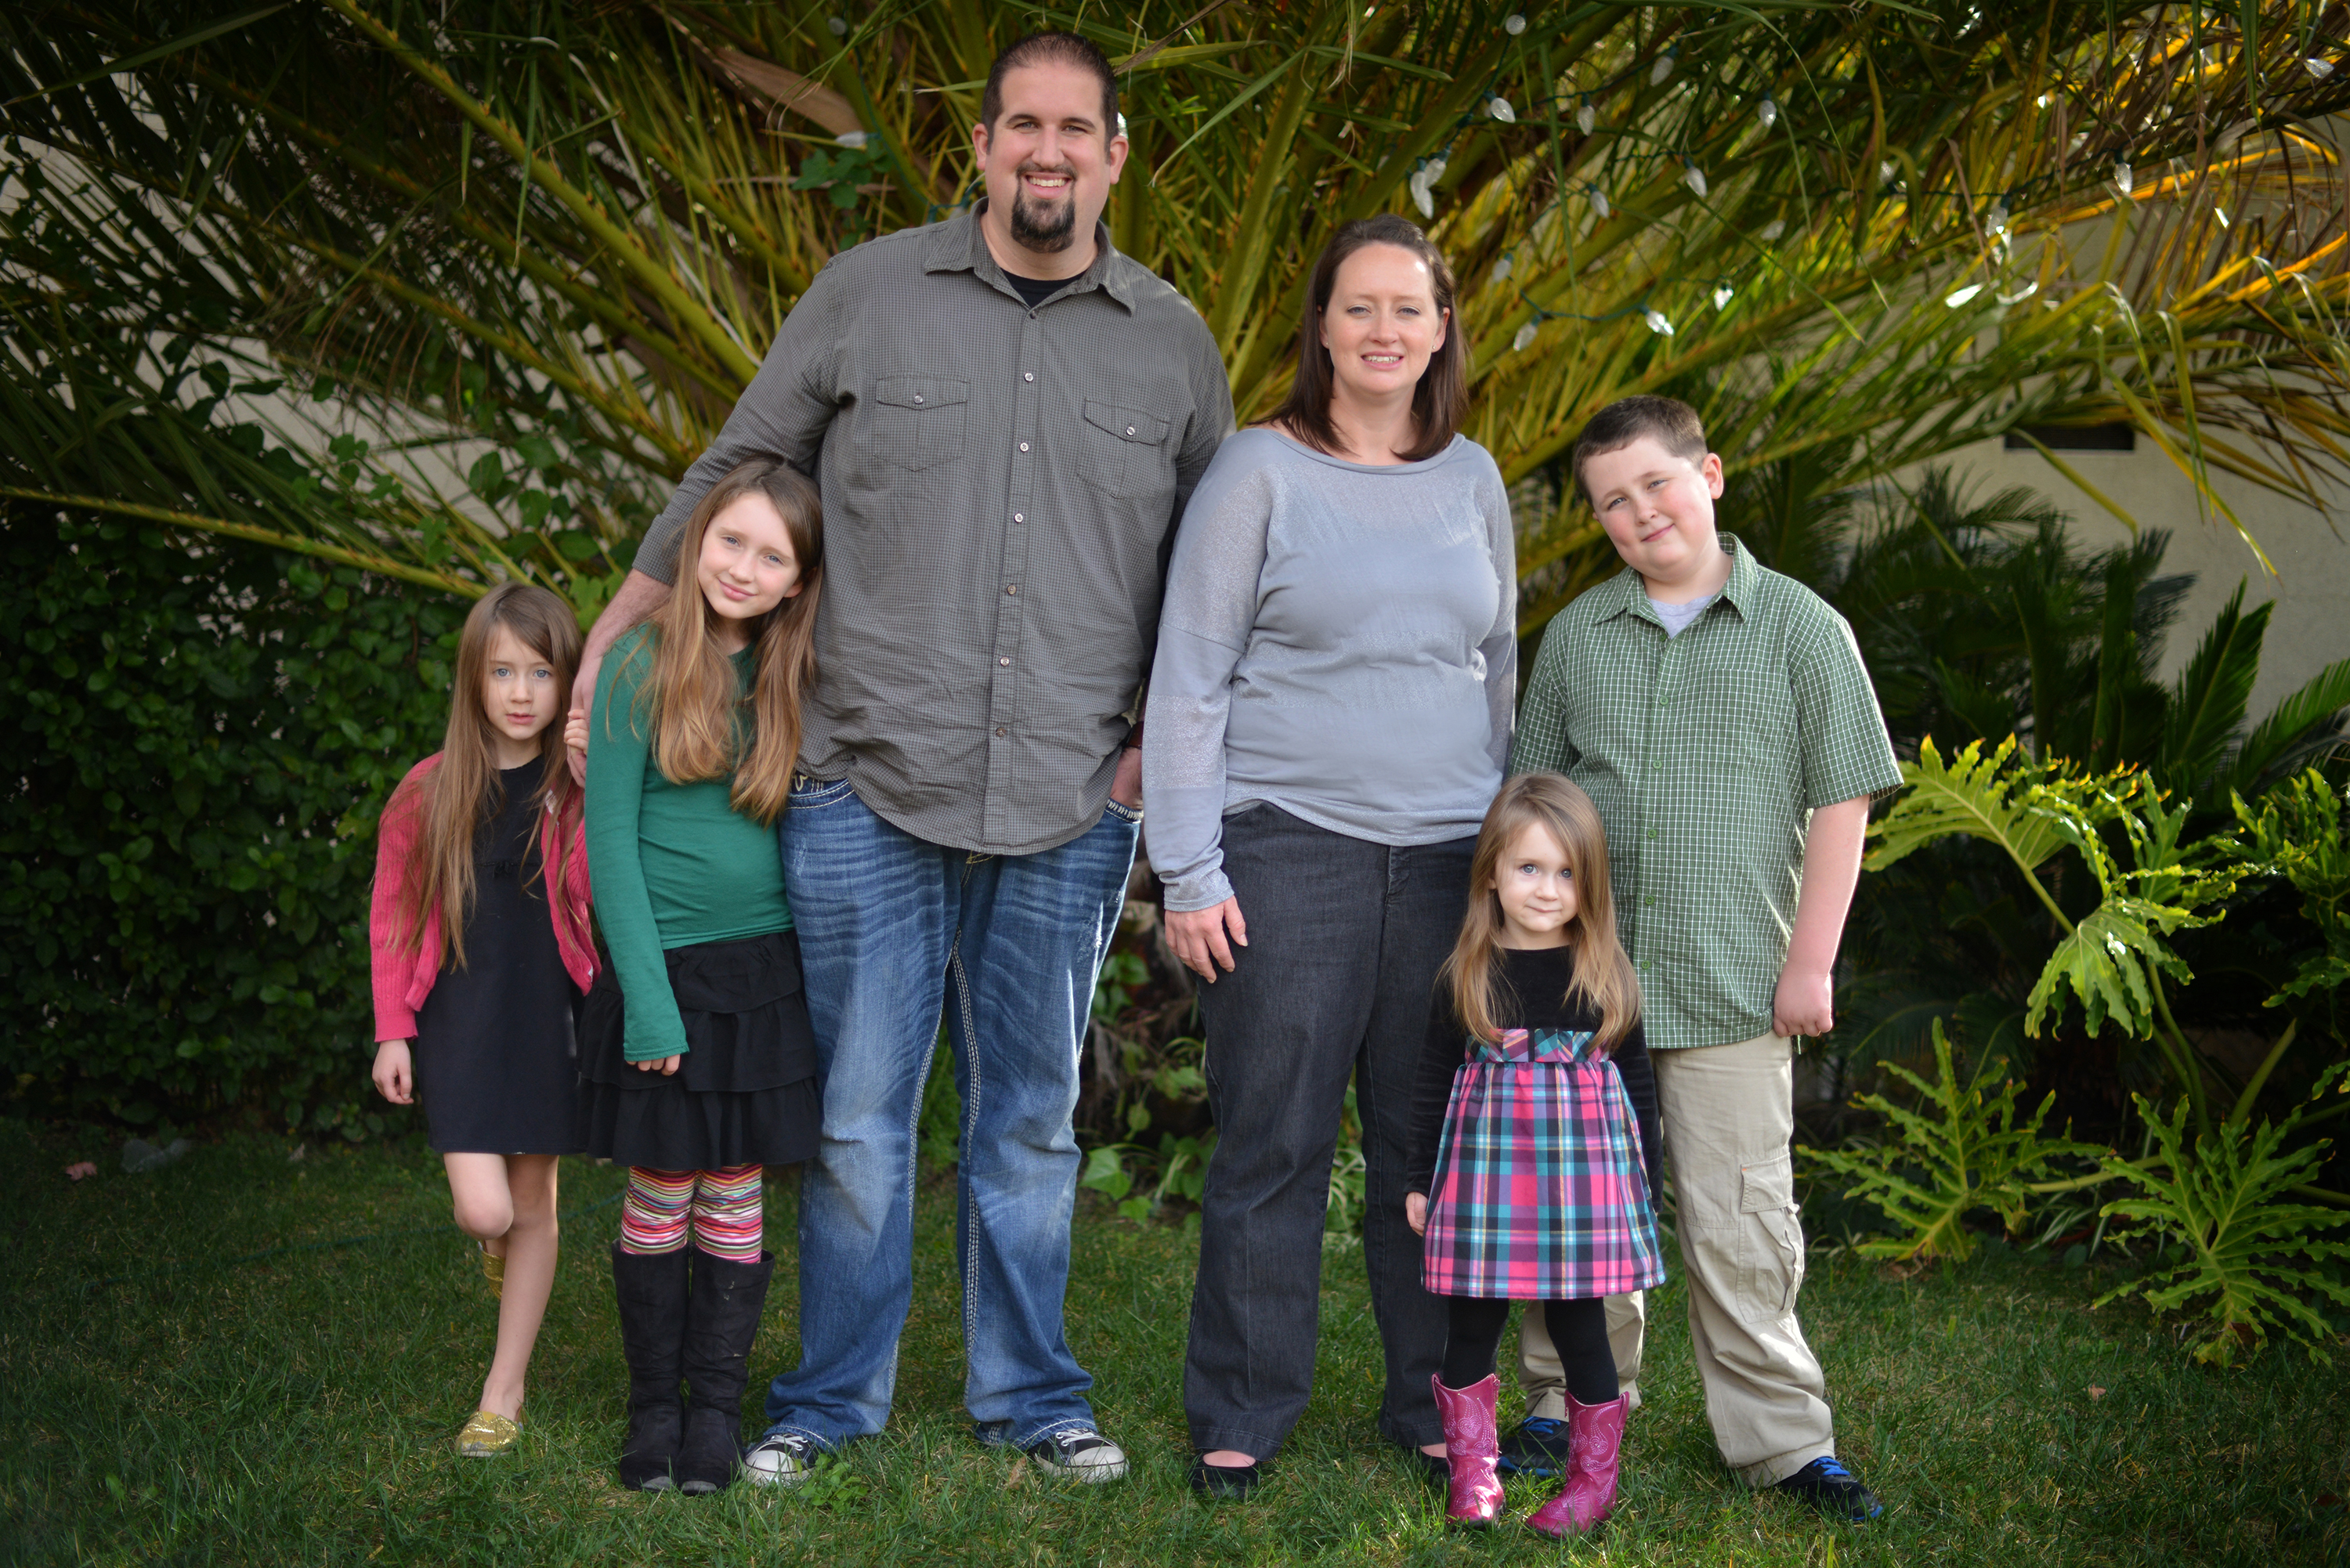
x=1530 y=1184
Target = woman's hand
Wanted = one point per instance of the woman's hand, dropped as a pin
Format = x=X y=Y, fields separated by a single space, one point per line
x=1198 y=937
x=664 y=1065
x=394 y=1072
x=1415 y=1212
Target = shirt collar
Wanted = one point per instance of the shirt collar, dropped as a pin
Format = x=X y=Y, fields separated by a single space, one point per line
x=1631 y=594
x=956 y=244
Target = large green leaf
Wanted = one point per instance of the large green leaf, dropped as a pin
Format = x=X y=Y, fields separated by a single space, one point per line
x=2000 y=798
x=1959 y=1151
x=2253 y=1261
x=2108 y=962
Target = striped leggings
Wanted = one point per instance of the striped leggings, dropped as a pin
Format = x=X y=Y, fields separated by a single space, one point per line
x=722 y=1208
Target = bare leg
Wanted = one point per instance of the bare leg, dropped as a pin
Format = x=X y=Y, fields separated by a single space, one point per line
x=521 y=1189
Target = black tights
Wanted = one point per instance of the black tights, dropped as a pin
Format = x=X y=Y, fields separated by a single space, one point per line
x=1578 y=1329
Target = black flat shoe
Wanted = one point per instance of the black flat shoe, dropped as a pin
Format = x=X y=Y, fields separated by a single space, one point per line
x=1834 y=1491
x=1225 y=1484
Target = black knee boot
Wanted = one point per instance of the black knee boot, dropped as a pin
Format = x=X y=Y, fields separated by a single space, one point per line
x=651 y=1290
x=720 y=1321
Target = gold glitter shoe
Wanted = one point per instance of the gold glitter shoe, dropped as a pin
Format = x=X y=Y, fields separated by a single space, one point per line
x=493 y=1268
x=487 y=1436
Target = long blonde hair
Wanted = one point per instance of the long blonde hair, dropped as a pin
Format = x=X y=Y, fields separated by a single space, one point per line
x=1604 y=976
x=462 y=796
x=693 y=709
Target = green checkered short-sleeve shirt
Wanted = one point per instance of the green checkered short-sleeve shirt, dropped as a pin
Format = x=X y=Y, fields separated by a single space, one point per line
x=1706 y=754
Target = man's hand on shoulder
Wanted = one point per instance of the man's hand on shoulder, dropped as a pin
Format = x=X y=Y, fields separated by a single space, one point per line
x=639 y=595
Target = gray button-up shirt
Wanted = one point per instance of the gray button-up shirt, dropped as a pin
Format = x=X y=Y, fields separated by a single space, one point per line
x=1001 y=487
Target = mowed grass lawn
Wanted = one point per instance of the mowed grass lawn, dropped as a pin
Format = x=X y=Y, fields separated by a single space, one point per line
x=167 y=1396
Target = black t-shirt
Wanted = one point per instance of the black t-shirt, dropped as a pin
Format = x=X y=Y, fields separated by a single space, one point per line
x=1036 y=290
x=1537 y=978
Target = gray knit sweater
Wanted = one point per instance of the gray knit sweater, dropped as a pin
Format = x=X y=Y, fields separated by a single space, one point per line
x=1338 y=639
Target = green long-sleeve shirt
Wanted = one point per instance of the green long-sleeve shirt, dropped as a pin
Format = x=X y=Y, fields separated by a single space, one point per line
x=673 y=865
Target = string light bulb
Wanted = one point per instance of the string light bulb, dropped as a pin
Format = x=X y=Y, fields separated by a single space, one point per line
x=1661 y=69
x=1499 y=107
x=1502 y=270
x=1996 y=219
x=1694 y=178
x=1524 y=338
x=1767 y=112
x=1656 y=322
x=1772 y=230
x=1599 y=202
x=1513 y=24
x=1585 y=117
x=2122 y=179
x=1961 y=296
x=1722 y=296
x=2319 y=68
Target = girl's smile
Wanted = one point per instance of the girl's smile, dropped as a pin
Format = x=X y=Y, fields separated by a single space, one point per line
x=747 y=567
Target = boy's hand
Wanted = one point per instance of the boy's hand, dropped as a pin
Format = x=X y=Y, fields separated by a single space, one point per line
x=1415 y=1212
x=394 y=1073
x=1805 y=1002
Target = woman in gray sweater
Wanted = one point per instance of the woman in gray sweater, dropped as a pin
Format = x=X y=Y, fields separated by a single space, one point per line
x=1330 y=717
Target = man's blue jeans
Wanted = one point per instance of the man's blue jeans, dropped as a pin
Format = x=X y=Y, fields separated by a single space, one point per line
x=891 y=928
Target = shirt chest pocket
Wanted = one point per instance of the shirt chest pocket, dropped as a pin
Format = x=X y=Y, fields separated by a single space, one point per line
x=917 y=421
x=1125 y=450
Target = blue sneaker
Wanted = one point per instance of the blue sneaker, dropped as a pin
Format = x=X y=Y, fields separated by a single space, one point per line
x=1538 y=1448
x=1835 y=1490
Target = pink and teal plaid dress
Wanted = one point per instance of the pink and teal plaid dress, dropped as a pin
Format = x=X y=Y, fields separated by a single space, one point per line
x=1539 y=1193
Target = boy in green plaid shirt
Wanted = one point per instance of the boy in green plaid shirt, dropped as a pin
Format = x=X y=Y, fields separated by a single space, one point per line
x=1719 y=715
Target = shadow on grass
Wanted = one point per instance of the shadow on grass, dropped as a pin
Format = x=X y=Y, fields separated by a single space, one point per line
x=211 y=1405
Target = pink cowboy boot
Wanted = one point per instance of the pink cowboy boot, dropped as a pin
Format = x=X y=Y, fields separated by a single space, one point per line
x=1471 y=1446
x=1597 y=1434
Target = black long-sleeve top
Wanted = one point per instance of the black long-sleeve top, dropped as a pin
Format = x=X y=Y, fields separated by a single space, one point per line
x=1537 y=978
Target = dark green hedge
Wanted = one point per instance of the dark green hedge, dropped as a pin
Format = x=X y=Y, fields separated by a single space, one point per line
x=203 y=733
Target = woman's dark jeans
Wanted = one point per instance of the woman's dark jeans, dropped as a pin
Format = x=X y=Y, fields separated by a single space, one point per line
x=1345 y=940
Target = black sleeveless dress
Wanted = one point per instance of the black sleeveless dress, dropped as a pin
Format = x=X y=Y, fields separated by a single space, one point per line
x=495 y=1059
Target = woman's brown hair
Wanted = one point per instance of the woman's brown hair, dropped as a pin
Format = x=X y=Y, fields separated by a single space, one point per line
x=464 y=794
x=693 y=709
x=1604 y=976
x=1439 y=402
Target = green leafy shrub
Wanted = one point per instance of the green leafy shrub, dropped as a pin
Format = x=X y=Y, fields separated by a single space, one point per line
x=205 y=734
x=2253 y=1260
x=1960 y=1152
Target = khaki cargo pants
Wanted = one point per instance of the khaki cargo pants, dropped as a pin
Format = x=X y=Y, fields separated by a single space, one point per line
x=1728 y=1115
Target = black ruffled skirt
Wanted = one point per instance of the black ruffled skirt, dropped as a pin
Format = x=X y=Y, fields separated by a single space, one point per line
x=747 y=1092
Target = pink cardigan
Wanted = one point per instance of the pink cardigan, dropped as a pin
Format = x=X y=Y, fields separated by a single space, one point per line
x=402 y=979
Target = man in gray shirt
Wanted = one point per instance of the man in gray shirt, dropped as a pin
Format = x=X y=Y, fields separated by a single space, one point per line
x=1004 y=417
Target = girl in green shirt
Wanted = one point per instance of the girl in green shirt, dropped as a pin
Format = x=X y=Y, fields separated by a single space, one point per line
x=698 y=1068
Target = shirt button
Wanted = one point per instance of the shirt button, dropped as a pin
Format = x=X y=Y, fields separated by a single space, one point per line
x=1020 y=517
x=1649 y=903
x=918 y=397
x=1003 y=661
x=999 y=729
x=1027 y=375
x=1652 y=833
x=1129 y=429
x=1024 y=446
x=1012 y=587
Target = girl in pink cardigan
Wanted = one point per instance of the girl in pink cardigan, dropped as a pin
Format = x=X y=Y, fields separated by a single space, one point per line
x=481 y=950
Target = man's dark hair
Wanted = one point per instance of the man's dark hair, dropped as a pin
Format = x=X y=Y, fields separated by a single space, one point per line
x=1050 y=49
x=1667 y=422
x=1441 y=398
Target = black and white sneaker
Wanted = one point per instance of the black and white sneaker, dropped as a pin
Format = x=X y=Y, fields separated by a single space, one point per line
x=781 y=1459
x=1079 y=1453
